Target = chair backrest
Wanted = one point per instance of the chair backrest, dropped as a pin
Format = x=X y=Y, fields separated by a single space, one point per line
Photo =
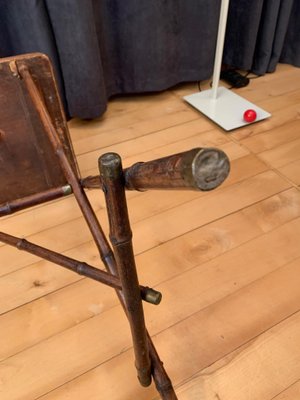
x=28 y=164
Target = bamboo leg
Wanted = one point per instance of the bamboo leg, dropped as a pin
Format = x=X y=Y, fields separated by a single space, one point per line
x=121 y=237
x=162 y=381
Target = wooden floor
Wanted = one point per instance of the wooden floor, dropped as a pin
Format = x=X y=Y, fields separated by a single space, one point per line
x=227 y=263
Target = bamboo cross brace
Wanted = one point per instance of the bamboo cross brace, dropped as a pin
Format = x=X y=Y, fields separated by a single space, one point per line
x=148 y=294
x=34 y=199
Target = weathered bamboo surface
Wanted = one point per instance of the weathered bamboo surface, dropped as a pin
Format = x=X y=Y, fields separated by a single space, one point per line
x=227 y=263
x=196 y=169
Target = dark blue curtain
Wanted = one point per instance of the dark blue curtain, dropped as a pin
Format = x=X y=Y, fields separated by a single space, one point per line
x=105 y=47
x=262 y=33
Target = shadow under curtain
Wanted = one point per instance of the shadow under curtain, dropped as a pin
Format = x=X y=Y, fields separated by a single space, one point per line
x=101 y=48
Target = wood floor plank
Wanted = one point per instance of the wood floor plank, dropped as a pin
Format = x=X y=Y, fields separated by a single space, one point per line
x=283 y=154
x=273 y=138
x=212 y=334
x=227 y=262
x=194 y=248
x=29 y=282
x=269 y=86
x=153 y=145
x=132 y=124
x=63 y=210
x=277 y=103
x=20 y=286
x=275 y=211
x=292 y=172
x=37 y=219
x=91 y=332
x=221 y=203
x=163 y=108
x=107 y=334
x=65 y=308
x=201 y=245
x=166 y=127
x=218 y=204
x=257 y=371
x=233 y=150
x=140 y=208
x=292 y=393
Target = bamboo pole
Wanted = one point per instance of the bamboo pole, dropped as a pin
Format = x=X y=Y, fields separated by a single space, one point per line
x=111 y=172
x=197 y=169
x=33 y=200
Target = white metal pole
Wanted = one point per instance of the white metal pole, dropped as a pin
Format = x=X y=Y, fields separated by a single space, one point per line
x=220 y=47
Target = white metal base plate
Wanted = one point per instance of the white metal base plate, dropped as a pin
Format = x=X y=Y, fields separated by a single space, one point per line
x=227 y=110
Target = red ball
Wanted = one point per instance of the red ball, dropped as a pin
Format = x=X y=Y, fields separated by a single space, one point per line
x=250 y=115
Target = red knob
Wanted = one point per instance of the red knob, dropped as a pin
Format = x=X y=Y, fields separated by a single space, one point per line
x=250 y=115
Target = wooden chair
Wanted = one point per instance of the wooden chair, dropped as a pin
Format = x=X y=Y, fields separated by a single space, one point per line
x=37 y=164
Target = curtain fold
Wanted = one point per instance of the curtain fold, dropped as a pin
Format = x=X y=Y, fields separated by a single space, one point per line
x=257 y=32
x=77 y=43
x=101 y=48
x=25 y=27
x=291 y=47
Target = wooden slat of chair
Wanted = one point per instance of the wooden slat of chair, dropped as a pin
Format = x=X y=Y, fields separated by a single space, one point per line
x=28 y=164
